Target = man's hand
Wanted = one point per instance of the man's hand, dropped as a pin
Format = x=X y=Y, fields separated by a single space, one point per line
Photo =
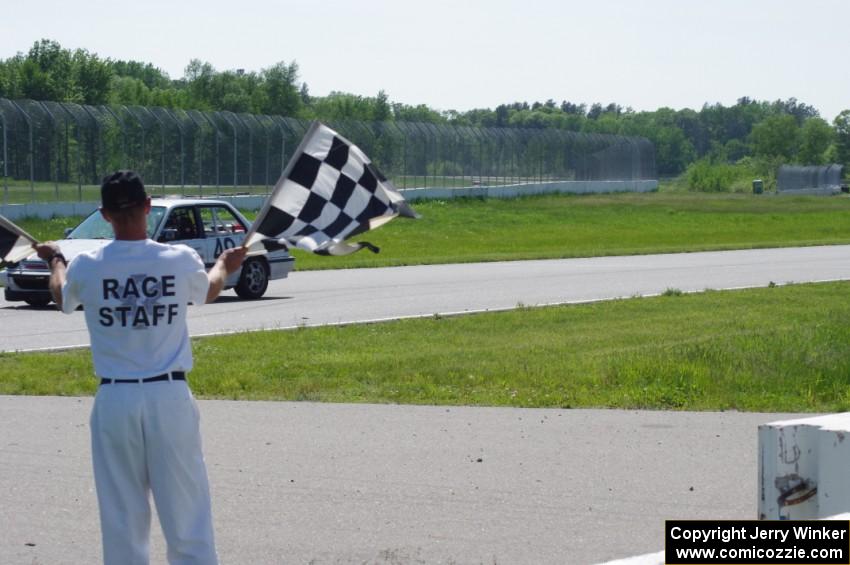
x=226 y=264
x=232 y=259
x=47 y=249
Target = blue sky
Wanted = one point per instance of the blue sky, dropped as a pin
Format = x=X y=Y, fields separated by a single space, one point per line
x=465 y=54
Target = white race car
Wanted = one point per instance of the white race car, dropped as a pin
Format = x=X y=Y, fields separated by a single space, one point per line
x=207 y=226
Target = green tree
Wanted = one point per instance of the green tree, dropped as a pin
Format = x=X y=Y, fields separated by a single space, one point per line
x=734 y=150
x=129 y=90
x=418 y=113
x=793 y=107
x=199 y=77
x=606 y=122
x=149 y=75
x=718 y=124
x=281 y=95
x=10 y=70
x=35 y=83
x=92 y=77
x=383 y=111
x=47 y=72
x=673 y=150
x=842 y=137
x=342 y=106
x=815 y=138
x=167 y=97
x=776 y=136
x=234 y=101
x=5 y=86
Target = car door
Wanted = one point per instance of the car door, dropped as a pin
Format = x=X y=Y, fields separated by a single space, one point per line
x=182 y=226
x=222 y=229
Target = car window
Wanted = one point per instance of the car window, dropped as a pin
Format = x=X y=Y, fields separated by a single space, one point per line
x=180 y=225
x=220 y=220
x=96 y=227
x=155 y=216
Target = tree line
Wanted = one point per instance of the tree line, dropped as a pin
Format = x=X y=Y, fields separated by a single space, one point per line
x=748 y=138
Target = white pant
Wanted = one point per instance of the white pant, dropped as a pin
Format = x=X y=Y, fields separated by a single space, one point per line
x=146 y=437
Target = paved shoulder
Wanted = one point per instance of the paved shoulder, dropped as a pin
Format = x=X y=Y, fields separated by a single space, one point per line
x=335 y=483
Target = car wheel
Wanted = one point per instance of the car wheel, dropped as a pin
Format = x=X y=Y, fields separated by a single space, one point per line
x=37 y=301
x=254 y=279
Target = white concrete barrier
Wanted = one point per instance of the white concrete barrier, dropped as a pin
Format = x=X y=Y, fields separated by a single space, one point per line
x=804 y=473
x=250 y=202
x=48 y=210
x=514 y=190
x=803 y=468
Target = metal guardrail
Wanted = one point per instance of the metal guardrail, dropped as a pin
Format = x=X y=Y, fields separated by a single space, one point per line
x=56 y=150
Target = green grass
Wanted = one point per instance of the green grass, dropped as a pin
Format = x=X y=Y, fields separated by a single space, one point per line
x=772 y=349
x=557 y=226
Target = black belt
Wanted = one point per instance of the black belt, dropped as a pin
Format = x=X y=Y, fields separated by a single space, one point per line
x=173 y=376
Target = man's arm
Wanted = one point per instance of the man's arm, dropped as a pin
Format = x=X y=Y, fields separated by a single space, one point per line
x=50 y=252
x=226 y=264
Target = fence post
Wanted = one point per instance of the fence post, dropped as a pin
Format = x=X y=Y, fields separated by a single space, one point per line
x=79 y=162
x=217 y=161
x=162 y=150
x=235 y=148
x=201 y=157
x=288 y=124
x=280 y=126
x=502 y=136
x=5 y=161
x=99 y=138
x=32 y=151
x=182 y=152
x=479 y=135
x=403 y=153
x=415 y=125
x=123 y=127
x=268 y=147
x=250 y=153
x=432 y=132
x=144 y=136
x=52 y=135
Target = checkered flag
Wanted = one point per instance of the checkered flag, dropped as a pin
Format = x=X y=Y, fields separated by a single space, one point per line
x=15 y=243
x=329 y=191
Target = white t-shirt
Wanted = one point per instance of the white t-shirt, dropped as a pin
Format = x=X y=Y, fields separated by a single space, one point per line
x=135 y=295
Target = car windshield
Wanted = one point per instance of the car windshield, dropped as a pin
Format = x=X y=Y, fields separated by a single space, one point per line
x=95 y=227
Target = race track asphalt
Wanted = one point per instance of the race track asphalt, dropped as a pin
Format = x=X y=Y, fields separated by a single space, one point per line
x=299 y=483
x=331 y=297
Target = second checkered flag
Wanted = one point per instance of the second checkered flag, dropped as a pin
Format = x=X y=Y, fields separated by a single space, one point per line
x=15 y=243
x=329 y=191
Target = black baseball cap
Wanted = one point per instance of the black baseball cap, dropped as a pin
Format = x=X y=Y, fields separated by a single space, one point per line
x=122 y=190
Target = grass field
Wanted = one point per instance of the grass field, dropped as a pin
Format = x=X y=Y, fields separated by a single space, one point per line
x=556 y=226
x=772 y=349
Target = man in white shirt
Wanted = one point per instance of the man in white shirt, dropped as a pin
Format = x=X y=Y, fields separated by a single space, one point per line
x=145 y=422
